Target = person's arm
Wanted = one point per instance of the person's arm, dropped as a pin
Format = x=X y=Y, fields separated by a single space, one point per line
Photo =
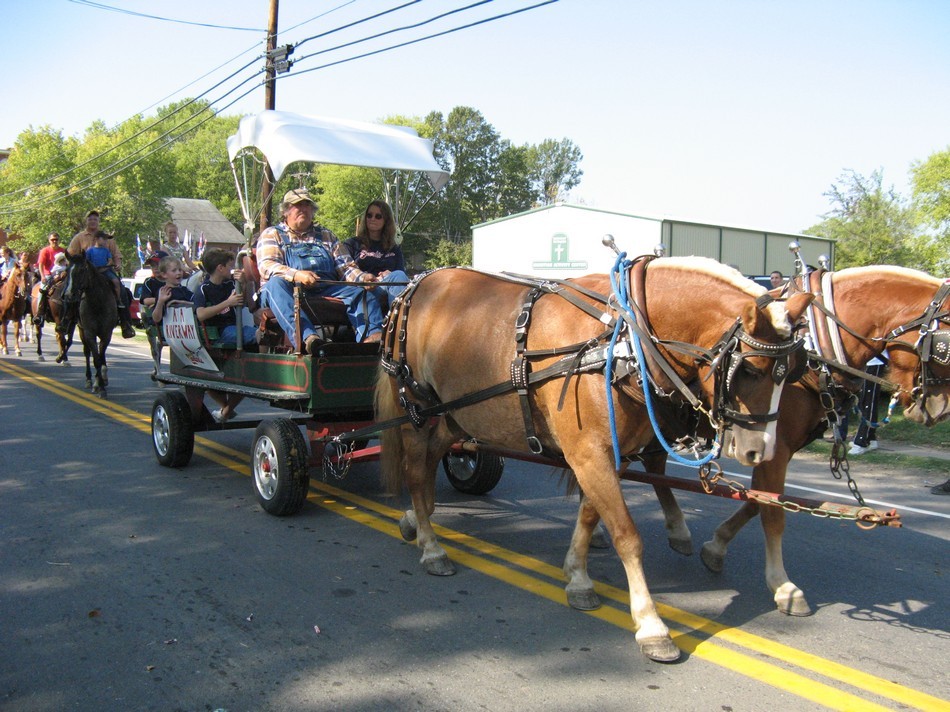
x=116 y=257
x=164 y=294
x=75 y=247
x=204 y=313
x=346 y=263
x=270 y=257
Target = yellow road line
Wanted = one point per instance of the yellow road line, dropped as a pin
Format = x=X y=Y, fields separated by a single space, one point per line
x=327 y=496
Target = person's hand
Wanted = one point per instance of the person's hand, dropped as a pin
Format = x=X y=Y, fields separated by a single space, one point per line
x=382 y=275
x=368 y=277
x=235 y=300
x=237 y=274
x=305 y=278
x=164 y=294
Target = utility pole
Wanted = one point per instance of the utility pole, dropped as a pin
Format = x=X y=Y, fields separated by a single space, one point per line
x=270 y=102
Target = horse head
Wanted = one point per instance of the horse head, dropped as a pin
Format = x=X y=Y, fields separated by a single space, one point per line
x=906 y=312
x=748 y=343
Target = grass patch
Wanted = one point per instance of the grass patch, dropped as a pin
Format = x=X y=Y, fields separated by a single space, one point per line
x=878 y=457
x=901 y=430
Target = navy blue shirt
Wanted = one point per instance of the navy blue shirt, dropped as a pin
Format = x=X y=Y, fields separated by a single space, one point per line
x=209 y=294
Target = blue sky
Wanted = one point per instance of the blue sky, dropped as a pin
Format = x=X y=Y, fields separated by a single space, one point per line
x=742 y=113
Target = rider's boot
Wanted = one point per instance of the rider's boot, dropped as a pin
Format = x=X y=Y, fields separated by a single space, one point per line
x=125 y=320
x=40 y=308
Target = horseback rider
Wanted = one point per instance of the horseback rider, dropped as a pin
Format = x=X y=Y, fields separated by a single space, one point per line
x=93 y=237
x=56 y=275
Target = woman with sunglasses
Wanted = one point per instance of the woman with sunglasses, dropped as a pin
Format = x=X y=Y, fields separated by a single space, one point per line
x=373 y=255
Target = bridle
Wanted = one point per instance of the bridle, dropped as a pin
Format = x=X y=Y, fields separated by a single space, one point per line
x=724 y=358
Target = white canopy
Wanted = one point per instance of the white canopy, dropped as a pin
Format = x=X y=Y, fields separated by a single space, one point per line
x=284 y=138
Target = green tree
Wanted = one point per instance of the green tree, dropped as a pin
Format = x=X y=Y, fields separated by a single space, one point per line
x=931 y=185
x=871 y=225
x=554 y=168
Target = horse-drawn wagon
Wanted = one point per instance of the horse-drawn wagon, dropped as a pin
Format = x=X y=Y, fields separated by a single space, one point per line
x=580 y=373
x=331 y=393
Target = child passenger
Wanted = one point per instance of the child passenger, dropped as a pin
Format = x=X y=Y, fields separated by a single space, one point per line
x=216 y=299
x=170 y=272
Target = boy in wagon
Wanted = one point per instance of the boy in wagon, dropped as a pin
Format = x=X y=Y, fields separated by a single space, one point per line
x=216 y=297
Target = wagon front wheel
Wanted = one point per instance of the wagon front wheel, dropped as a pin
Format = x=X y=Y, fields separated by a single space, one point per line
x=476 y=473
x=279 y=467
x=173 y=433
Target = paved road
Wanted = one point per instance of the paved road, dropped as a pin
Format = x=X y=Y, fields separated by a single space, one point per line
x=128 y=586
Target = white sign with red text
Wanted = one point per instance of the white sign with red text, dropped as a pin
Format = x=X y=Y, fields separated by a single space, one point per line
x=181 y=334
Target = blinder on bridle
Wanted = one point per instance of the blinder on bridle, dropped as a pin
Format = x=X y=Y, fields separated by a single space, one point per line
x=789 y=365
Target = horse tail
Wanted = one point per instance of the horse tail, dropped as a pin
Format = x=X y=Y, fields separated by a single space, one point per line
x=391 y=457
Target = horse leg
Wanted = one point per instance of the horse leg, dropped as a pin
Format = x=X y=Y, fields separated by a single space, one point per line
x=580 y=588
x=3 y=339
x=422 y=453
x=788 y=597
x=596 y=476
x=87 y=352
x=16 y=337
x=102 y=374
x=38 y=336
x=713 y=553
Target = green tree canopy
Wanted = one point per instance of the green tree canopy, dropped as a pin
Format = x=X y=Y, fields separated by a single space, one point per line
x=871 y=225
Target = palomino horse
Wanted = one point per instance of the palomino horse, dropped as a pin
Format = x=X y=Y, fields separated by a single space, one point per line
x=53 y=314
x=872 y=308
x=457 y=332
x=98 y=316
x=13 y=306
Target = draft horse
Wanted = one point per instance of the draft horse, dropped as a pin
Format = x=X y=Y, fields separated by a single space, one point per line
x=858 y=313
x=53 y=313
x=98 y=316
x=457 y=345
x=13 y=298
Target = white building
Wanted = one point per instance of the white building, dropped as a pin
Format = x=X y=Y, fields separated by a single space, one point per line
x=563 y=241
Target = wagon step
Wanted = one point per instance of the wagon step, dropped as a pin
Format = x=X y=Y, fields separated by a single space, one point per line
x=205 y=384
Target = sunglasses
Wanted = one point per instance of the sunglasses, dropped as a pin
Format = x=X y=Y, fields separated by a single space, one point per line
x=374 y=216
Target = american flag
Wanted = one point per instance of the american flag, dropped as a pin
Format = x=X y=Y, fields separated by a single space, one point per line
x=138 y=249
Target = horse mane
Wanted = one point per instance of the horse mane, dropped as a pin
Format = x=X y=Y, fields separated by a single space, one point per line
x=875 y=270
x=734 y=278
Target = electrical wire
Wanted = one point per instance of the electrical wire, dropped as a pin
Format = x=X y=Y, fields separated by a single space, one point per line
x=427 y=37
x=123 y=163
x=123 y=11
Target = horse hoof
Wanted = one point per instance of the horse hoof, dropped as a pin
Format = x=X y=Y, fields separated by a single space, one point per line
x=660 y=649
x=40 y=358
x=713 y=561
x=583 y=600
x=439 y=566
x=682 y=546
x=792 y=601
x=407 y=528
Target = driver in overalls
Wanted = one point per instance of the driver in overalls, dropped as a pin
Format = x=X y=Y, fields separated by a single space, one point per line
x=298 y=252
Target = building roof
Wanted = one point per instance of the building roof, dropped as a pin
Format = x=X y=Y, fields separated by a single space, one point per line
x=199 y=216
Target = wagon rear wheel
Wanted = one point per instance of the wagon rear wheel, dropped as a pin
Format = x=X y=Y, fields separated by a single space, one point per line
x=173 y=433
x=279 y=467
x=476 y=473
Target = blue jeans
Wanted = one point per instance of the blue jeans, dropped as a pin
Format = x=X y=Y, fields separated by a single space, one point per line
x=229 y=335
x=278 y=295
x=387 y=293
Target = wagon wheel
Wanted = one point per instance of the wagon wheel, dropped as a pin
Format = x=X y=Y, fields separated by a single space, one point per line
x=173 y=434
x=476 y=473
x=279 y=467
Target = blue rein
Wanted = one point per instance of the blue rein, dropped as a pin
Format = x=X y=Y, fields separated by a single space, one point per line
x=621 y=268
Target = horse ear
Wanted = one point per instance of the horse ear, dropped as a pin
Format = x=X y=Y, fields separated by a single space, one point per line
x=794 y=306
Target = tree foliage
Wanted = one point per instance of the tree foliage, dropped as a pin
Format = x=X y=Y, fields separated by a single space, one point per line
x=872 y=225
x=126 y=172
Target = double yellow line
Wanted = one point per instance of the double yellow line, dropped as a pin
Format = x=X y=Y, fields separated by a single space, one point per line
x=700 y=637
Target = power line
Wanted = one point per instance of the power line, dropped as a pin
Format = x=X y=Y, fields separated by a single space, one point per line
x=123 y=164
x=389 y=32
x=423 y=39
x=123 y=11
